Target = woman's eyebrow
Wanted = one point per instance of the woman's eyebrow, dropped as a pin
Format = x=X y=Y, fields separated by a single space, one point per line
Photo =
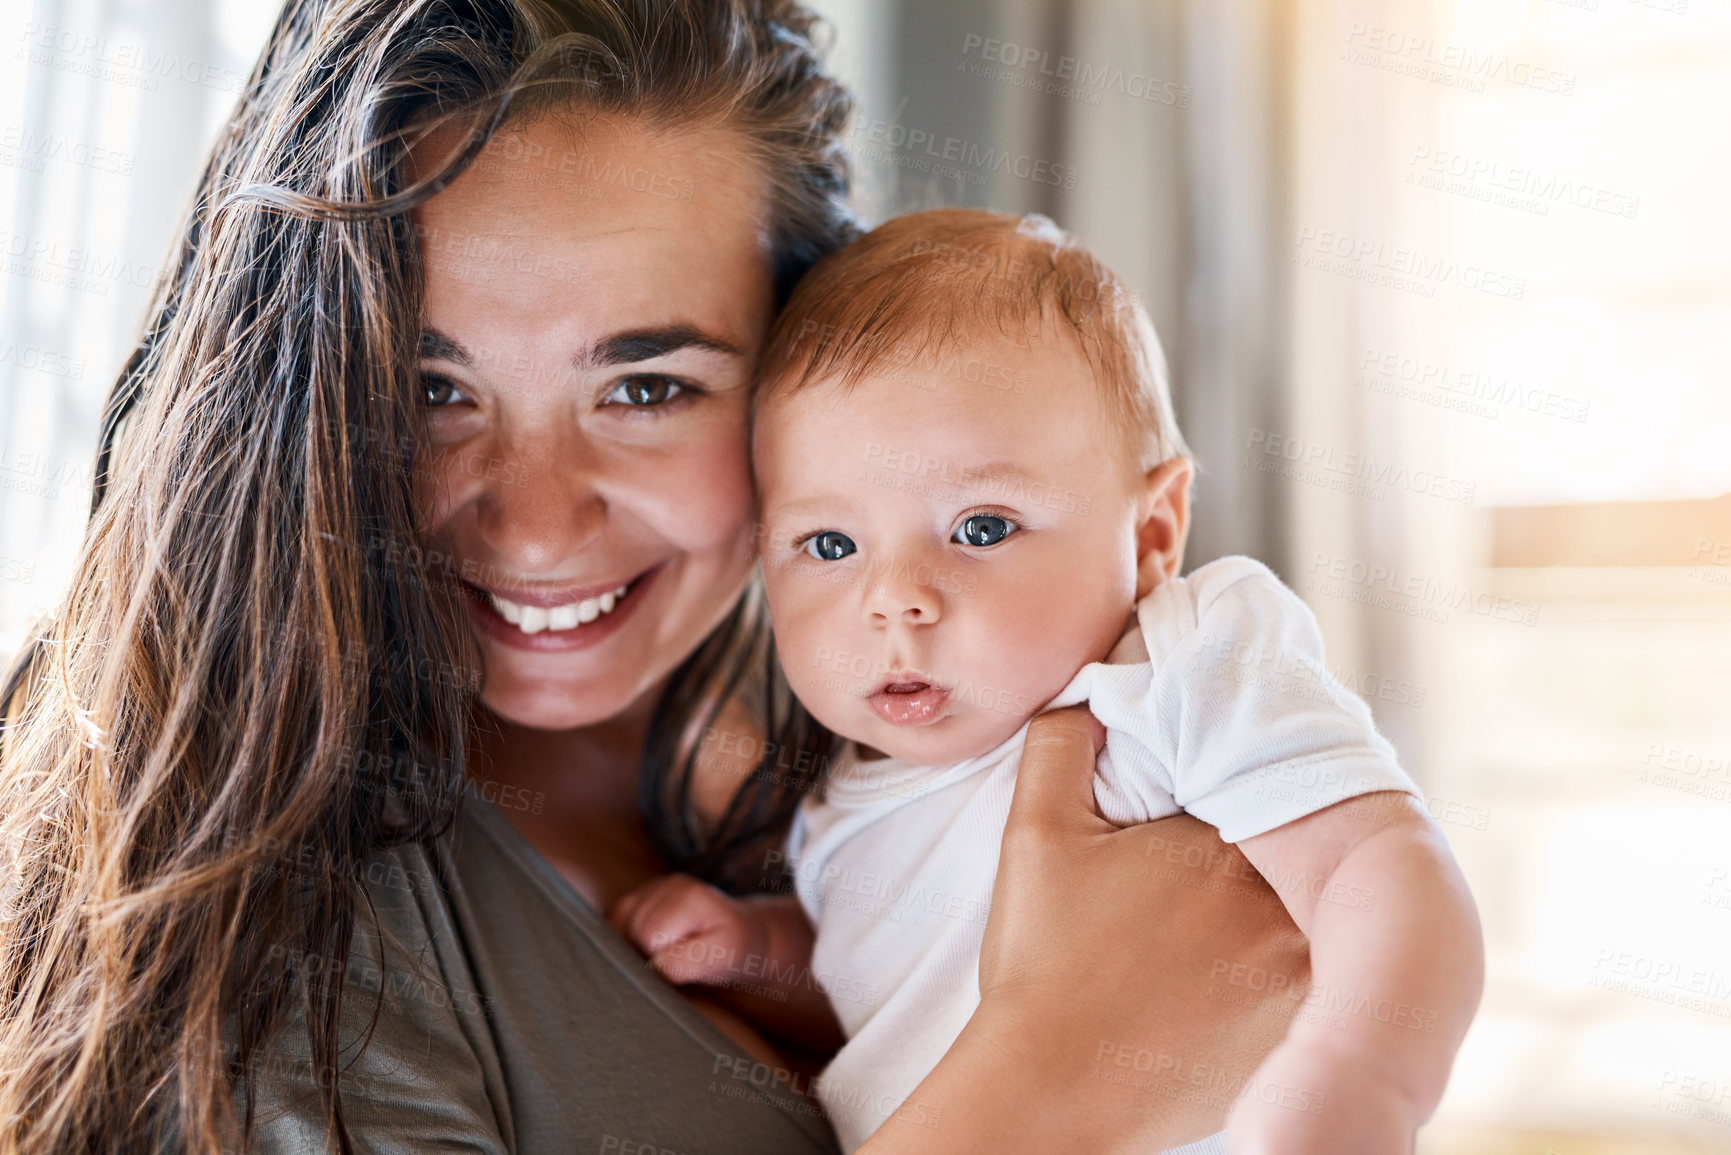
x=647 y=344
x=435 y=346
x=619 y=349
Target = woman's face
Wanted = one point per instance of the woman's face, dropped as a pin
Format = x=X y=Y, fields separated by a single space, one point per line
x=596 y=297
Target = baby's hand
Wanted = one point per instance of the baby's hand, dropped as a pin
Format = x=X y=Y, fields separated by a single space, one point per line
x=1308 y=1100
x=692 y=932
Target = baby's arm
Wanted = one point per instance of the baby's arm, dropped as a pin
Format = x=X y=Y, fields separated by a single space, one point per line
x=753 y=954
x=1397 y=963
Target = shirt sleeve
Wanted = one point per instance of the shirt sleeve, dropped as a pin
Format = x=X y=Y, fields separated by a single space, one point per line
x=1257 y=732
x=420 y=1084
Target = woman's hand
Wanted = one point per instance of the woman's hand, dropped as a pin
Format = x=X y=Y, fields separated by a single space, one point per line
x=1131 y=980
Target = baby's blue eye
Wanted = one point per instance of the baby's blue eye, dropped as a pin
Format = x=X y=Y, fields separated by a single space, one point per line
x=983 y=529
x=829 y=545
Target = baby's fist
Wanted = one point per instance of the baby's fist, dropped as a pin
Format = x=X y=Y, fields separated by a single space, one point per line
x=691 y=932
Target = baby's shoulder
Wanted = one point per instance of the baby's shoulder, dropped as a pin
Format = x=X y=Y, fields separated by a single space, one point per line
x=1231 y=596
x=1235 y=575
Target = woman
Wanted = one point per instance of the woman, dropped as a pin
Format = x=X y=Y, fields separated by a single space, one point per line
x=448 y=390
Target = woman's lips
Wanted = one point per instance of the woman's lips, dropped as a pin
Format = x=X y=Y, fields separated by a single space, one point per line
x=909 y=703
x=493 y=624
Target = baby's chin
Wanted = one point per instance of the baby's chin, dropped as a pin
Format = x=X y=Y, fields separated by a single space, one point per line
x=950 y=739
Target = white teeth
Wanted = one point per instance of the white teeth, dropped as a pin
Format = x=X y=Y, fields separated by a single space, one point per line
x=534 y=619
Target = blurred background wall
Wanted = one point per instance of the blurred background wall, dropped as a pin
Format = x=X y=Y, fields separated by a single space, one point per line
x=1445 y=286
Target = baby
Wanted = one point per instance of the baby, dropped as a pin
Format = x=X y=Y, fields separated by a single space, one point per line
x=975 y=501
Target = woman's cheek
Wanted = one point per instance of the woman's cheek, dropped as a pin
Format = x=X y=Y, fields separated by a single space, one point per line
x=437 y=495
x=703 y=493
x=440 y=482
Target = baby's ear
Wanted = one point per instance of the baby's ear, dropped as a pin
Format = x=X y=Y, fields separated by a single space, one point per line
x=1162 y=523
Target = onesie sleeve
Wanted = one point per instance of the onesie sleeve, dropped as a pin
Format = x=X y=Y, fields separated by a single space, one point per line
x=1258 y=732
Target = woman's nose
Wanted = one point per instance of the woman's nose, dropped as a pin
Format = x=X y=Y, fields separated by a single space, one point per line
x=540 y=509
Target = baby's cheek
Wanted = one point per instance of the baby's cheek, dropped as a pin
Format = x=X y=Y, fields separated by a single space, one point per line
x=1044 y=657
x=1028 y=682
x=806 y=642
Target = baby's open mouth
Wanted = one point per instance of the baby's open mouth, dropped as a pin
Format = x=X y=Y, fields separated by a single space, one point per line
x=908 y=703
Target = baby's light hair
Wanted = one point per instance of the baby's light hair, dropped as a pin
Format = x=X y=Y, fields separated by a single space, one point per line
x=918 y=286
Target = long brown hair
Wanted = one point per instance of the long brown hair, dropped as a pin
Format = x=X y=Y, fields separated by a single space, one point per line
x=234 y=636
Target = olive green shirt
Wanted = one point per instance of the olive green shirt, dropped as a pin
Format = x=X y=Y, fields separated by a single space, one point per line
x=516 y=1020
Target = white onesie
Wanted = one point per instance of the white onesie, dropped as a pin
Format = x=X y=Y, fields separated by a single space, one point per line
x=1217 y=703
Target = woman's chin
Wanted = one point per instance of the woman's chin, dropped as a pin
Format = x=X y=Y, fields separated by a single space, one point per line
x=545 y=705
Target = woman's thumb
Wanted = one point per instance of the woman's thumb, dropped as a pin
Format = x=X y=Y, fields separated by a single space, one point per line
x=1055 y=784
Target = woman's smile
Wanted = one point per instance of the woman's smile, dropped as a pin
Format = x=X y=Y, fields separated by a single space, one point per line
x=574 y=618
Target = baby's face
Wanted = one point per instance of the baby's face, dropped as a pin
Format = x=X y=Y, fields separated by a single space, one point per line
x=942 y=555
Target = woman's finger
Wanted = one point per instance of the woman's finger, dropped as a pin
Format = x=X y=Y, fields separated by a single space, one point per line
x=1055 y=784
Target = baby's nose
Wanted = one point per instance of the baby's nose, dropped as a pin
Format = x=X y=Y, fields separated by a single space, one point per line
x=902 y=593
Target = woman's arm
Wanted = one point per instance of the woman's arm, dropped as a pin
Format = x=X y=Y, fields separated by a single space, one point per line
x=1110 y=1018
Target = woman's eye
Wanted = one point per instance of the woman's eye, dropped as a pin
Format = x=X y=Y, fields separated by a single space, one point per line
x=829 y=545
x=438 y=391
x=645 y=392
x=983 y=529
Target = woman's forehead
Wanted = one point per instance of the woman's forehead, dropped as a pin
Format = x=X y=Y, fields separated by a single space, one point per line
x=560 y=178
x=617 y=225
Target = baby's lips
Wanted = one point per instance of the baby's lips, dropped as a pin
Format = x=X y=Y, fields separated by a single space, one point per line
x=908 y=680
x=912 y=707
